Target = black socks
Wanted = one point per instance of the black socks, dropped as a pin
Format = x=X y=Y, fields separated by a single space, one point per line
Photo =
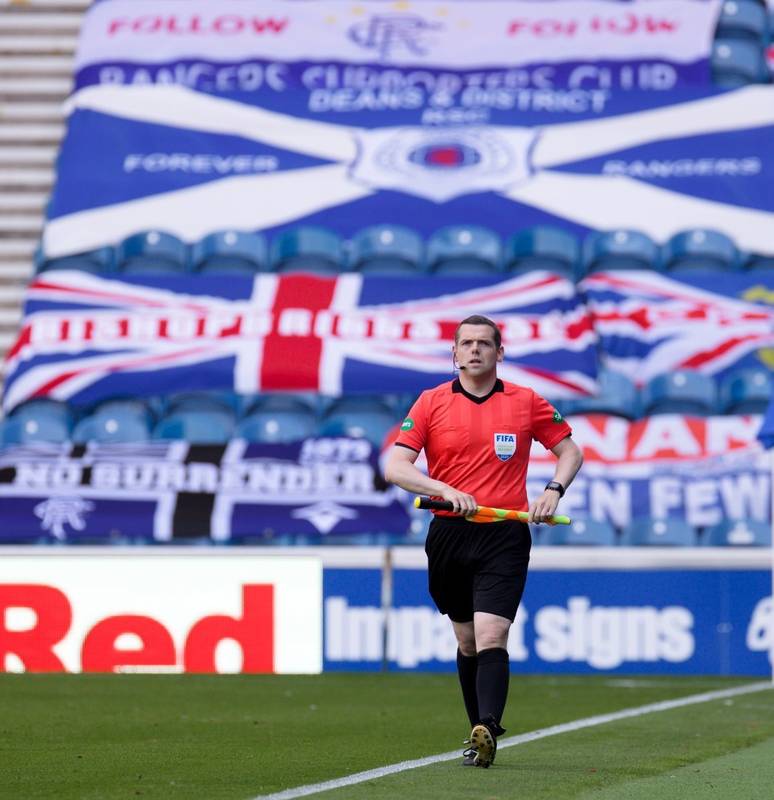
x=467 y=669
x=491 y=684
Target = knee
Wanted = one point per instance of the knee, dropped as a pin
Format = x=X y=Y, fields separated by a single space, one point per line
x=466 y=643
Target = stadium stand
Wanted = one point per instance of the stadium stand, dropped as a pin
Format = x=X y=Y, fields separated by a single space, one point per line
x=34 y=119
x=738 y=533
x=679 y=392
x=152 y=253
x=581 y=533
x=359 y=417
x=738 y=63
x=617 y=395
x=99 y=261
x=307 y=248
x=232 y=252
x=700 y=250
x=117 y=421
x=648 y=532
x=620 y=249
x=387 y=249
x=745 y=391
x=743 y=19
x=41 y=421
x=200 y=426
x=276 y=425
x=543 y=247
x=459 y=249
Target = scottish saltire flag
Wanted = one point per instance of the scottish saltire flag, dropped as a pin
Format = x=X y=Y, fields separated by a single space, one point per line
x=84 y=338
x=649 y=324
x=583 y=113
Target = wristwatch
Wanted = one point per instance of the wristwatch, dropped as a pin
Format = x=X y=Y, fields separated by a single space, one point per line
x=555 y=486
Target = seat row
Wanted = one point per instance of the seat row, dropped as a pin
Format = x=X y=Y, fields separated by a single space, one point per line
x=654 y=532
x=202 y=418
x=741 y=391
x=397 y=249
x=217 y=417
x=643 y=532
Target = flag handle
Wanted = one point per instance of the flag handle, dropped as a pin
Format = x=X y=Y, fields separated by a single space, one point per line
x=486 y=511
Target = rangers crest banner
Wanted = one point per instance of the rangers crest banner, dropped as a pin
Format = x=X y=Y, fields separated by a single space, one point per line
x=237 y=114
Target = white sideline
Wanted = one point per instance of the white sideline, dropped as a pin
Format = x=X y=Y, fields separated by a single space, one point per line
x=511 y=741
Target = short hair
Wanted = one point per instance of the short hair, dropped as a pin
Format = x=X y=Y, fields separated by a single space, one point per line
x=478 y=319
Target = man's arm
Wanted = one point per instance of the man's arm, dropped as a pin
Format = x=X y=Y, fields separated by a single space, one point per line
x=400 y=470
x=569 y=460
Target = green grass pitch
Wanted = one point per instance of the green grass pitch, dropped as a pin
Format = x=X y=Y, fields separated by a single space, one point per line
x=239 y=737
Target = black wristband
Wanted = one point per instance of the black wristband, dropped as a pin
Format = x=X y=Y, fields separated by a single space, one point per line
x=555 y=486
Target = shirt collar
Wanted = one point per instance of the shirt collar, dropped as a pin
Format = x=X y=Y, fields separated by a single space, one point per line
x=458 y=389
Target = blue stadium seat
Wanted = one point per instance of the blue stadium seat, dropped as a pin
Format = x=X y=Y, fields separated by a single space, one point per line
x=387 y=249
x=151 y=253
x=199 y=427
x=116 y=421
x=226 y=401
x=617 y=395
x=364 y=416
x=743 y=19
x=581 y=533
x=305 y=402
x=38 y=421
x=274 y=427
x=758 y=262
x=619 y=249
x=543 y=247
x=738 y=533
x=101 y=259
x=746 y=391
x=679 y=392
x=232 y=252
x=700 y=249
x=308 y=248
x=650 y=532
x=464 y=249
x=737 y=63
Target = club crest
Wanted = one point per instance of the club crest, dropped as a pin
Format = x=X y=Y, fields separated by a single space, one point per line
x=504 y=445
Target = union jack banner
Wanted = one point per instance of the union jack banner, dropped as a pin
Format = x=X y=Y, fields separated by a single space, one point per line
x=650 y=324
x=84 y=337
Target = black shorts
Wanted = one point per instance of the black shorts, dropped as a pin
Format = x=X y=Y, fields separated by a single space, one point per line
x=476 y=566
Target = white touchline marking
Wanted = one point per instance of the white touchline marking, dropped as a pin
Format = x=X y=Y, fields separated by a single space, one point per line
x=512 y=741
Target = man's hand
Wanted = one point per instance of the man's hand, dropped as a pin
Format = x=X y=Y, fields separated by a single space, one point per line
x=544 y=507
x=464 y=504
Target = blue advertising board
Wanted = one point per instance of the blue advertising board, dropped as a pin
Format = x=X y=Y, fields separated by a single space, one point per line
x=661 y=621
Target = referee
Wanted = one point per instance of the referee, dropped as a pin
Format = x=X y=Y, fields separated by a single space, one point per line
x=476 y=432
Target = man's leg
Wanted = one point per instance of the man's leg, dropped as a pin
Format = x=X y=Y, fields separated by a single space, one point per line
x=467 y=667
x=491 y=632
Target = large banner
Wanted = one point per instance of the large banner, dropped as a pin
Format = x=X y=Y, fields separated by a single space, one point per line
x=177 y=492
x=85 y=338
x=668 y=466
x=236 y=113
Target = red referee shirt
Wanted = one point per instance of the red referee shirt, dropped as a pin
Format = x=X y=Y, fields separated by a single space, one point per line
x=481 y=445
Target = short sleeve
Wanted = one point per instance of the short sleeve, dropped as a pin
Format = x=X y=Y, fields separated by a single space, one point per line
x=549 y=427
x=413 y=429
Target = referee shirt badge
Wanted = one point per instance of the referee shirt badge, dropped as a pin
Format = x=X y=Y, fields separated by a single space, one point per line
x=504 y=445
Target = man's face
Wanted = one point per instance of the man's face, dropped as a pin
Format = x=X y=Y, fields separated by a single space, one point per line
x=475 y=350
